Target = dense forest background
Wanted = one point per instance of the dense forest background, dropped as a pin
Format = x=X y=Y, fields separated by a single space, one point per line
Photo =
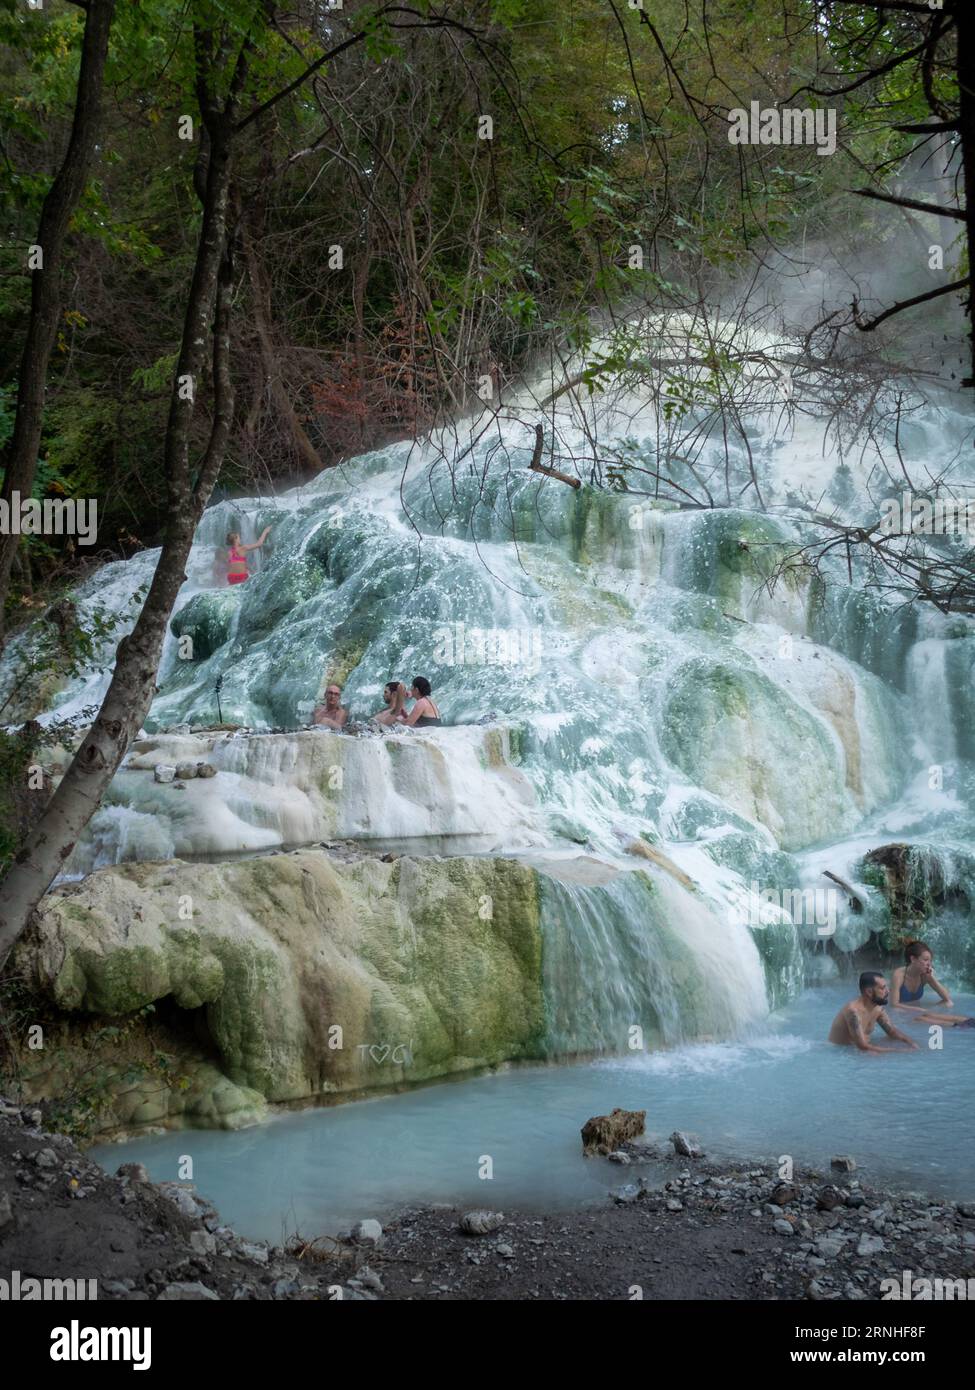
x=460 y=257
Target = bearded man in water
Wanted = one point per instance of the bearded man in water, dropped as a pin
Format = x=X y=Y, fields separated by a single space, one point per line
x=855 y=1022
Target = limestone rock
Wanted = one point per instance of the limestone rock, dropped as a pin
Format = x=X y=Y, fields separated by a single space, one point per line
x=182 y=1200
x=175 y=1293
x=738 y=733
x=134 y=1172
x=251 y=1250
x=480 y=1222
x=368 y=1232
x=284 y=789
x=684 y=1146
x=269 y=939
x=164 y=772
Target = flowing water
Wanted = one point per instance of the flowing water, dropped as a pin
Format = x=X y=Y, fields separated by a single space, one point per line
x=780 y=1089
x=610 y=670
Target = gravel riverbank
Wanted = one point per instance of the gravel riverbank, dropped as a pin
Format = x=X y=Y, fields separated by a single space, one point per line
x=707 y=1231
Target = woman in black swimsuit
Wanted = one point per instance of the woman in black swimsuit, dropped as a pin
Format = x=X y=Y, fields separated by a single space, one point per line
x=424 y=714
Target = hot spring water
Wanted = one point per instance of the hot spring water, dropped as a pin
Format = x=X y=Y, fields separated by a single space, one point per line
x=651 y=688
x=906 y=1119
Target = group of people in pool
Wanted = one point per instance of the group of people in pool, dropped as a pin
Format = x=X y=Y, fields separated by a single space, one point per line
x=855 y=1022
x=423 y=713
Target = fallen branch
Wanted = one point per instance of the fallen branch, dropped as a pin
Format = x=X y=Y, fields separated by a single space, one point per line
x=935 y=211
x=868 y=325
x=856 y=902
x=537 y=466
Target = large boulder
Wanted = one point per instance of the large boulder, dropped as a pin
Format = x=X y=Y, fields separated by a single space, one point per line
x=603 y=1134
x=305 y=975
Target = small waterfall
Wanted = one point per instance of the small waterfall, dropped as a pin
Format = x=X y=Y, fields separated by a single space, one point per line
x=929 y=691
x=645 y=953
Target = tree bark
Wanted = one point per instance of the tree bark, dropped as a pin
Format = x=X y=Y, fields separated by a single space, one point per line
x=537 y=466
x=965 y=38
x=132 y=687
x=45 y=298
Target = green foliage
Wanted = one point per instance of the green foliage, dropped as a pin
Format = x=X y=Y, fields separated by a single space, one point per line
x=159 y=376
x=56 y=647
x=96 y=1082
x=463 y=254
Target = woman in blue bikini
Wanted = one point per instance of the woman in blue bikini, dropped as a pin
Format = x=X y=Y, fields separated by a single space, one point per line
x=908 y=987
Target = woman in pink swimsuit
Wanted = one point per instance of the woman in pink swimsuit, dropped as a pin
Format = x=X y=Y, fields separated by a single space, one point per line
x=237 y=555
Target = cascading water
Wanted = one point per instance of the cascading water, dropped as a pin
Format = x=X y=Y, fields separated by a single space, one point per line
x=634 y=965
x=617 y=672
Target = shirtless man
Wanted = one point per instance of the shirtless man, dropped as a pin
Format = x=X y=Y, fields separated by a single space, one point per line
x=331 y=715
x=855 y=1022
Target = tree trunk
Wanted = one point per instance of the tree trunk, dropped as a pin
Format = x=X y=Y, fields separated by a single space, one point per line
x=132 y=687
x=965 y=38
x=45 y=299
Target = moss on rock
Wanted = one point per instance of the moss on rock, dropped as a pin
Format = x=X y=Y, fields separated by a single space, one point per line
x=309 y=974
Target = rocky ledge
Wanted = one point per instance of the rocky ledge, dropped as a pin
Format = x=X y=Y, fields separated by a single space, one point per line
x=706 y=1231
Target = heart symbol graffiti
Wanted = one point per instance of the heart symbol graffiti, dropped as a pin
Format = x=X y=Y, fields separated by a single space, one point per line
x=382 y=1049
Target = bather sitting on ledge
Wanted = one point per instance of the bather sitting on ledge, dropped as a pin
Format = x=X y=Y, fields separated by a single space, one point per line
x=423 y=715
x=394 y=693
x=855 y=1022
x=331 y=715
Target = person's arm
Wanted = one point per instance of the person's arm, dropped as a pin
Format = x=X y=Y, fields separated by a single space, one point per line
x=855 y=1029
x=420 y=708
x=939 y=988
x=256 y=545
x=893 y=1032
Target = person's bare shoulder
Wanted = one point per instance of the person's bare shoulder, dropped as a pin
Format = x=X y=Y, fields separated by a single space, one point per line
x=854 y=1017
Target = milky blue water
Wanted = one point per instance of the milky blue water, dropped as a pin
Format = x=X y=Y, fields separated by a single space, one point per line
x=907 y=1119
